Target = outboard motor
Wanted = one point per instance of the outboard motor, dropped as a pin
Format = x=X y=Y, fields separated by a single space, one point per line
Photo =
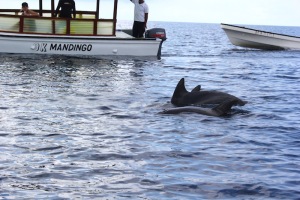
x=156 y=33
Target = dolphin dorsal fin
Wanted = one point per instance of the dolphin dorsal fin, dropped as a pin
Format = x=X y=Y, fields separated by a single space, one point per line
x=179 y=91
x=196 y=89
x=180 y=88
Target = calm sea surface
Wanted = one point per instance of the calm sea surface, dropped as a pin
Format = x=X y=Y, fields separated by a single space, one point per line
x=74 y=128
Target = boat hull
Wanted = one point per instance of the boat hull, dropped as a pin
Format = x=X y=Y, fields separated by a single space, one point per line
x=251 y=38
x=79 y=45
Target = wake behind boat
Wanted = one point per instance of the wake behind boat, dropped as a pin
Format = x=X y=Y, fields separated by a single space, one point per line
x=252 y=38
x=87 y=35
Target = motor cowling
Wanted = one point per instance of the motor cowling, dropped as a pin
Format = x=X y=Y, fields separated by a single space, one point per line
x=156 y=33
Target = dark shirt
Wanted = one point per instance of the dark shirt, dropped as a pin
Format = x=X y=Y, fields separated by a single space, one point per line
x=67 y=8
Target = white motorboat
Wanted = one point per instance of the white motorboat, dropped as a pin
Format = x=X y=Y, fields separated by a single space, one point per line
x=87 y=35
x=252 y=38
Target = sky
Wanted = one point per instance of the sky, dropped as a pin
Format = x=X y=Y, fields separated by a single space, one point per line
x=252 y=12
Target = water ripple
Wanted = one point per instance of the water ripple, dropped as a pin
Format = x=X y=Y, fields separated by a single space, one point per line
x=88 y=128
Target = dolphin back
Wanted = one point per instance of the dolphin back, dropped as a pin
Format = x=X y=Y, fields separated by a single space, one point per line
x=189 y=109
x=181 y=97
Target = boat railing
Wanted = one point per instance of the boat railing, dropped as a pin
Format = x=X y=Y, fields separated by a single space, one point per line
x=47 y=13
x=85 y=24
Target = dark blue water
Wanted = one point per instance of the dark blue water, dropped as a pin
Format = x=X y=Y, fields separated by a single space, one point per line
x=74 y=128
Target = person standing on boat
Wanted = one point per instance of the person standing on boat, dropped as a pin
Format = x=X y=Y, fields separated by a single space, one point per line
x=141 y=11
x=26 y=12
x=67 y=8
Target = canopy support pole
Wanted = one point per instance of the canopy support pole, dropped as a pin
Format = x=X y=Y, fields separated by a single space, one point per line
x=97 y=9
x=41 y=7
x=115 y=16
x=52 y=8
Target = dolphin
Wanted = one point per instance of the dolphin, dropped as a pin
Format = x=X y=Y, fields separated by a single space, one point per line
x=217 y=111
x=181 y=97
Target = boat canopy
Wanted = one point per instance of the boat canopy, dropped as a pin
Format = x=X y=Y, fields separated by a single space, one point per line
x=86 y=23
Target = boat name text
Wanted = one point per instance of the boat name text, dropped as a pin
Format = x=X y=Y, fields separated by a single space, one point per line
x=70 y=47
x=43 y=47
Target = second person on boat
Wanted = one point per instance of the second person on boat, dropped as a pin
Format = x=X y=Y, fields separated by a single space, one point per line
x=67 y=9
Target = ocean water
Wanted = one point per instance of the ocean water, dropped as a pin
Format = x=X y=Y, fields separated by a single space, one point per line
x=79 y=128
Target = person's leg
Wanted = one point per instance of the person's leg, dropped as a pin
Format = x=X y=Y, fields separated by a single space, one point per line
x=135 y=29
x=141 y=30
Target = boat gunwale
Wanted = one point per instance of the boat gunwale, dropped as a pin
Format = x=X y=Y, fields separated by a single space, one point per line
x=74 y=37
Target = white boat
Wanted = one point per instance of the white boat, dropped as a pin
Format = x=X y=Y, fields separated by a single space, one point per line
x=252 y=38
x=87 y=35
